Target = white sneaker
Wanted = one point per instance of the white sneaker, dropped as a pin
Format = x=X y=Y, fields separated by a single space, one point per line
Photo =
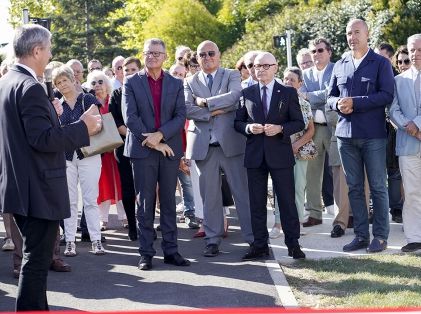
x=97 y=248
x=70 y=249
x=275 y=233
x=330 y=209
x=8 y=245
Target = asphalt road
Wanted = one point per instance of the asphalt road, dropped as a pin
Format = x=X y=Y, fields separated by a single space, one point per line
x=113 y=281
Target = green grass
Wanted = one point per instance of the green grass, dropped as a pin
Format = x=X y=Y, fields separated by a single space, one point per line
x=369 y=281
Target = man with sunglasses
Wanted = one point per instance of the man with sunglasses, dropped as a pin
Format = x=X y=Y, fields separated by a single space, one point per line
x=212 y=96
x=248 y=61
x=360 y=89
x=154 y=112
x=316 y=80
x=117 y=67
x=406 y=115
x=269 y=114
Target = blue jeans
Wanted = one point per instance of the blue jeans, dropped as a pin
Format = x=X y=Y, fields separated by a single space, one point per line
x=357 y=154
x=187 y=188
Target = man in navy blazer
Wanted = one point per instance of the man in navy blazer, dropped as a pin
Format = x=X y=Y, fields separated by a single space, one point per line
x=33 y=185
x=268 y=116
x=360 y=89
x=154 y=112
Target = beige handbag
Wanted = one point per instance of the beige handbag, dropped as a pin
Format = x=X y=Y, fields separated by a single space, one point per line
x=106 y=140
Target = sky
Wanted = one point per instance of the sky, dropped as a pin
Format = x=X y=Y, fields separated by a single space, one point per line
x=6 y=30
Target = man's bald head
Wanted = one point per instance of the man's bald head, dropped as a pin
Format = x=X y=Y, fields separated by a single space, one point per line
x=209 y=56
x=266 y=66
x=359 y=22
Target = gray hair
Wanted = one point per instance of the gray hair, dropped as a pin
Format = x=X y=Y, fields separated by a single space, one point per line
x=413 y=38
x=99 y=75
x=302 y=52
x=74 y=61
x=295 y=70
x=155 y=41
x=116 y=59
x=65 y=71
x=29 y=36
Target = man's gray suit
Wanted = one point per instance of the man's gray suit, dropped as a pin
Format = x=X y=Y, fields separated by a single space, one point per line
x=226 y=151
x=317 y=96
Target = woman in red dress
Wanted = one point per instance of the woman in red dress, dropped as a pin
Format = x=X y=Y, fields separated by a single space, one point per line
x=109 y=181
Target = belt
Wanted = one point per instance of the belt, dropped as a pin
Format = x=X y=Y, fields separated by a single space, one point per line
x=321 y=123
x=216 y=144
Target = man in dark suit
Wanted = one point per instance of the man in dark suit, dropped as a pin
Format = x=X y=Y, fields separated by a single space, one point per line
x=268 y=116
x=154 y=112
x=33 y=183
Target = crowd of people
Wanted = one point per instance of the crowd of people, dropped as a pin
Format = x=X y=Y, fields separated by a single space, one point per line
x=339 y=137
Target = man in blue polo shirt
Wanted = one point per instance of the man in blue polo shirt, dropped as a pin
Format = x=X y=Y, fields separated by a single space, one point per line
x=360 y=89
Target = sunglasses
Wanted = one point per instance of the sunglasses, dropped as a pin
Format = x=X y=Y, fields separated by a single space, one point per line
x=180 y=58
x=406 y=61
x=264 y=66
x=320 y=50
x=211 y=54
x=92 y=69
x=249 y=66
x=100 y=82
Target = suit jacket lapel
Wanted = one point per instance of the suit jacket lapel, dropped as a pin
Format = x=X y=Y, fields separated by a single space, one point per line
x=144 y=81
x=217 y=81
x=201 y=82
x=274 y=101
x=164 y=94
x=258 y=105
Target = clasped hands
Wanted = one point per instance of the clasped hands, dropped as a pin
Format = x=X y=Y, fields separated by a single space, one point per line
x=346 y=105
x=268 y=129
x=153 y=140
x=412 y=129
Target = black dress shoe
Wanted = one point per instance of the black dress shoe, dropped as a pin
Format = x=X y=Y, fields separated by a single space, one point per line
x=256 y=253
x=132 y=235
x=312 y=222
x=397 y=218
x=145 y=263
x=337 y=231
x=411 y=247
x=350 y=222
x=296 y=253
x=211 y=250
x=176 y=259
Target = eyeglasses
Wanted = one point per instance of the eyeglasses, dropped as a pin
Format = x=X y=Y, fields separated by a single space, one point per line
x=243 y=66
x=264 y=66
x=211 y=54
x=119 y=68
x=249 y=66
x=306 y=62
x=195 y=66
x=319 y=50
x=93 y=69
x=100 y=82
x=154 y=54
x=406 y=61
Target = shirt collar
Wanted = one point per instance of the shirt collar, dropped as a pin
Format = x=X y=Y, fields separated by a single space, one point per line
x=269 y=86
x=151 y=78
x=205 y=75
x=414 y=71
x=30 y=70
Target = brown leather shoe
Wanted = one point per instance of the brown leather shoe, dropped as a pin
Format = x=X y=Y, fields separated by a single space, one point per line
x=312 y=222
x=59 y=265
